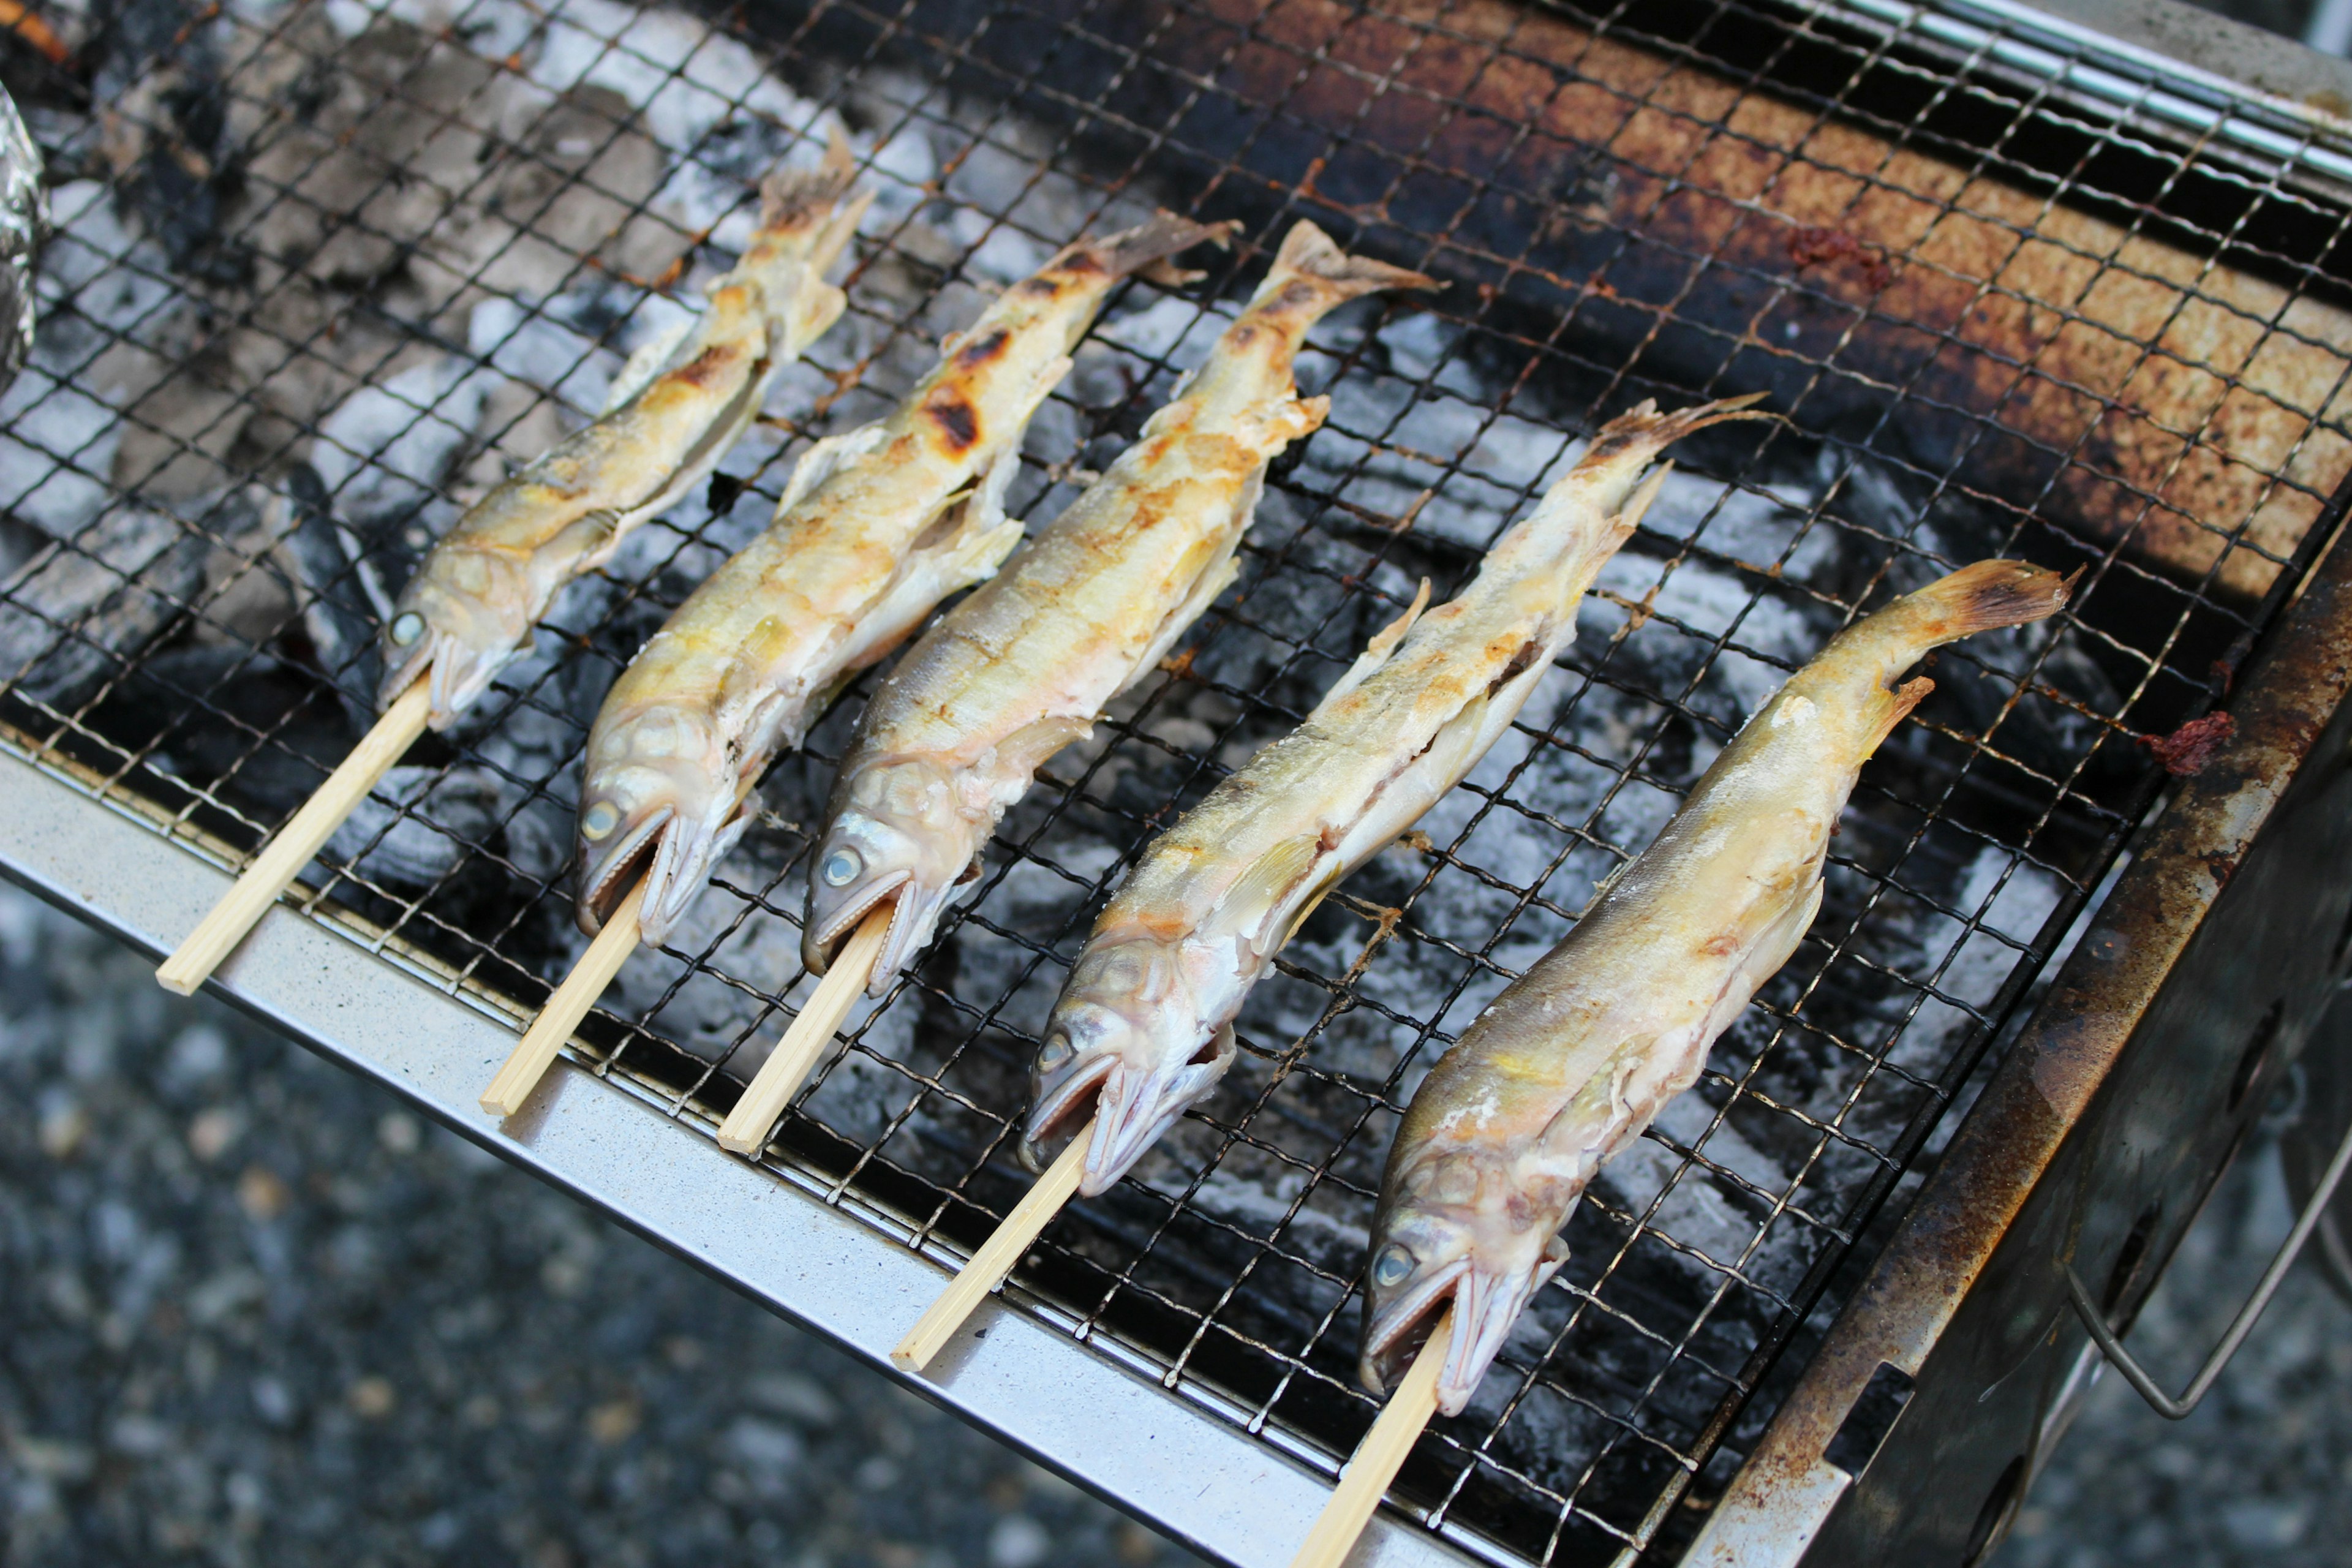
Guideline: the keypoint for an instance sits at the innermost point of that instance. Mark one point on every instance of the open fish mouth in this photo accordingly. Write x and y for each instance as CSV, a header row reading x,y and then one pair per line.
x,y
1400,1328
458,673
1062,1104
1485,1305
824,937
606,870
1134,1108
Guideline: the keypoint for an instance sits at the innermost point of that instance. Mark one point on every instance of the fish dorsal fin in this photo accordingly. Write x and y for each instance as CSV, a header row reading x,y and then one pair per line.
x,y
826,458
1376,652
1250,904
649,361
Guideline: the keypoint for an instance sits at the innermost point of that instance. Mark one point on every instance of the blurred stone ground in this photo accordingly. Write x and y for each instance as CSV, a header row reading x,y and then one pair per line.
x,y
252,1312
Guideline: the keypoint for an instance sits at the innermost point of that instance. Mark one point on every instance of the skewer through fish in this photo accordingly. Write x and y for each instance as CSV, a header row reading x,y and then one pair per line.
x,y
1144,1027
1571,1062
875,527
1022,668
676,409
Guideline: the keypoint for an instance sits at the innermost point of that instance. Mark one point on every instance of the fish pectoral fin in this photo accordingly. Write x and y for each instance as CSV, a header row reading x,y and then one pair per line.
x,y
1025,751
1249,905
1908,696
651,358
826,458
1376,652
811,315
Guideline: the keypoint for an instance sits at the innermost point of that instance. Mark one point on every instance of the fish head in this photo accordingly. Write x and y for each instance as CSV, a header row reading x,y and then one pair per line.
x,y
659,796
1130,1040
1460,1230
896,835
461,621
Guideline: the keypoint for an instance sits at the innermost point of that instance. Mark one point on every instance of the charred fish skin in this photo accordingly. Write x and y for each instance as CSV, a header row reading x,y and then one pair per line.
x,y
874,527
1022,666
1144,1027
1574,1059
469,609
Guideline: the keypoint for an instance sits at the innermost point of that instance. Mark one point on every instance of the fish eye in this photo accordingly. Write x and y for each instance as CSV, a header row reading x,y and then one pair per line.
x,y
841,867
1056,1053
601,819
408,628
1392,1265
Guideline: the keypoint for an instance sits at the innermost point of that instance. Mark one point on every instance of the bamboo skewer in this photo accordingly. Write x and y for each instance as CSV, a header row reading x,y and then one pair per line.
x,y
746,1128
553,1026
1364,1480
297,845
995,1259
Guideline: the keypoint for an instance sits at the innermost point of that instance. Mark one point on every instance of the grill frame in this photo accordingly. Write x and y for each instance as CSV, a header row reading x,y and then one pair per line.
x,y
257,983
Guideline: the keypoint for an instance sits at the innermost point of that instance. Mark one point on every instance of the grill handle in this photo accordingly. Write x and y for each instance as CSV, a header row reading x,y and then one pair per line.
x,y
2240,1327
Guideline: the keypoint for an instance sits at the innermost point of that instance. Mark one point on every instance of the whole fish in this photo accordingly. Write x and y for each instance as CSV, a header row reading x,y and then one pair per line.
x,y
1022,668
1572,1060
875,527
1144,1027
675,410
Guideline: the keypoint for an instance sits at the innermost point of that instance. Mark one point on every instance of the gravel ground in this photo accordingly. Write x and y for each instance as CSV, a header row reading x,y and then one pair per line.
x,y
251,1311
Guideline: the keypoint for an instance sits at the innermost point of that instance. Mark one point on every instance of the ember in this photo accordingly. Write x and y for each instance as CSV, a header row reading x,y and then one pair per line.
x,y
2188,749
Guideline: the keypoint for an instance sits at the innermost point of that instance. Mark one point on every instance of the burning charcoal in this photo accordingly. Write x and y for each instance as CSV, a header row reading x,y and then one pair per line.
x,y
434,820
345,601
75,611
24,223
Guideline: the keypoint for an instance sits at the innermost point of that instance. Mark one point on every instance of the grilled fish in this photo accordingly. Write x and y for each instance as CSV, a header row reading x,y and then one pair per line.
x,y
1572,1060
875,527
1020,668
674,413
1144,1027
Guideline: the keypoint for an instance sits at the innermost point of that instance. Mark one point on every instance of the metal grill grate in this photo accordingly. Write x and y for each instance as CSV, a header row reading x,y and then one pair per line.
x,y
322,268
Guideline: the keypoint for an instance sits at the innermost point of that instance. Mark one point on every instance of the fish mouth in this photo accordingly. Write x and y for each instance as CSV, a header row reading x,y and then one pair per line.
x,y
456,673
1134,1108
1059,1106
819,939
682,862
604,877
1395,1332
1485,1305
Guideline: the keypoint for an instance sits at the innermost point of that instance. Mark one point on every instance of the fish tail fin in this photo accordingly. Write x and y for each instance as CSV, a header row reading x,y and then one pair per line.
x,y
1310,255
1147,249
1643,426
1989,593
796,198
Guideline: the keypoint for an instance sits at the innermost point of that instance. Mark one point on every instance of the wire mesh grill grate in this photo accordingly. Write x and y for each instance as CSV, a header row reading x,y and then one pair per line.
x,y
322,269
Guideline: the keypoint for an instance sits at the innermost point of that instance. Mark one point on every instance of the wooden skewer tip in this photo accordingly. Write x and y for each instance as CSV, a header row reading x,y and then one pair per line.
x,y
556,1021
297,845
988,1266
746,1128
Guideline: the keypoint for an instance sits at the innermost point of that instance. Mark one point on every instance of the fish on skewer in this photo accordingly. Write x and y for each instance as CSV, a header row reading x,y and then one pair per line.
x,y
1144,1027
874,527
1022,668
1573,1059
675,410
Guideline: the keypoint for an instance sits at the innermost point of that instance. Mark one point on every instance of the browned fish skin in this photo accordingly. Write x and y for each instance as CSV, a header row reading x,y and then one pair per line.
x,y
1144,1027
874,529
1022,666
1576,1057
473,602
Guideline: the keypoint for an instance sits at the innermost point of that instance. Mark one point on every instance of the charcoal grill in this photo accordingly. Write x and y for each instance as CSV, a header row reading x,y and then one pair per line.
x,y
2022,286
